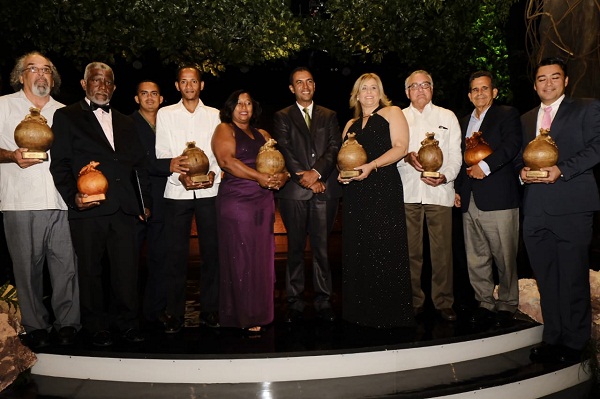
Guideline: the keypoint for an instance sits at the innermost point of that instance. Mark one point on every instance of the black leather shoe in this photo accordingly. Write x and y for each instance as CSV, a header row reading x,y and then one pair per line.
x,y
38,339
209,319
326,314
133,336
172,325
544,353
66,335
447,314
503,319
482,316
569,355
102,338
292,316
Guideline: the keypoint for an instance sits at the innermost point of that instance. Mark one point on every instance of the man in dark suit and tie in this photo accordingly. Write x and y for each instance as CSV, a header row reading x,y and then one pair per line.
x,y
558,212
488,195
91,130
309,138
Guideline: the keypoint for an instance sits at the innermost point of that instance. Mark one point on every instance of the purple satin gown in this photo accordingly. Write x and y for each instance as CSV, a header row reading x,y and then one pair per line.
x,y
245,216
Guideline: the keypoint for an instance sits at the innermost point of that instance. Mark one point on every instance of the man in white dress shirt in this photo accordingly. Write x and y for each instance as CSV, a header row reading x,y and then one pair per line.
x,y
430,198
189,120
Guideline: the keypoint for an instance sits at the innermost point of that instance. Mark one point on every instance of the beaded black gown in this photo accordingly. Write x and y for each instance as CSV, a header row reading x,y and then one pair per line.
x,y
376,275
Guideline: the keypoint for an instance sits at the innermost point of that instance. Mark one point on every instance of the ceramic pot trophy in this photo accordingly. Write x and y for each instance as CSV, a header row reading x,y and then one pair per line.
x,y
541,152
197,163
430,156
34,134
351,155
269,160
92,182
476,149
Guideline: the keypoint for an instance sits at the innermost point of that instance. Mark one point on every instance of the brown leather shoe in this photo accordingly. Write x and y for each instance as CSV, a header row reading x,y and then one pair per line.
x,y
447,314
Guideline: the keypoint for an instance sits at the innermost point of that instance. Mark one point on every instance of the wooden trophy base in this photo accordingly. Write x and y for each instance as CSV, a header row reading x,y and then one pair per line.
x,y
200,178
536,173
93,198
42,155
348,174
435,175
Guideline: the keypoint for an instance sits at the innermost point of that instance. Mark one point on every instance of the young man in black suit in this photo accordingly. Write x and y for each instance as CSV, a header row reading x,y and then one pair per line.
x,y
309,138
558,212
91,130
488,195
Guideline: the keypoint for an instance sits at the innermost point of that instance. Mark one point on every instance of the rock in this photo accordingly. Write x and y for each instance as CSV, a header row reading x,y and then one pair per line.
x,y
14,356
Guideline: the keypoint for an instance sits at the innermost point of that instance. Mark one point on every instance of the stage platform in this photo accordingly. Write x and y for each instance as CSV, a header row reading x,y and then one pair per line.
x,y
313,359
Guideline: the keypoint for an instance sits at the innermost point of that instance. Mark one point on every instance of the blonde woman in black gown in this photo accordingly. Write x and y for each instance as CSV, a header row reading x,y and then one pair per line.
x,y
376,274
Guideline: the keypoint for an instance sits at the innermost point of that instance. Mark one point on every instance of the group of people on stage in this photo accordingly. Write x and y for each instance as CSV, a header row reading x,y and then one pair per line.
x,y
152,196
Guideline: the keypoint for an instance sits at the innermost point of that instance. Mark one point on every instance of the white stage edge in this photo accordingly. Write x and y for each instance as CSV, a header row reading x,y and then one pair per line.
x,y
272,369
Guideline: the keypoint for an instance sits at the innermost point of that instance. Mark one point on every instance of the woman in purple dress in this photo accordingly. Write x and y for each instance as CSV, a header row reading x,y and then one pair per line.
x,y
245,216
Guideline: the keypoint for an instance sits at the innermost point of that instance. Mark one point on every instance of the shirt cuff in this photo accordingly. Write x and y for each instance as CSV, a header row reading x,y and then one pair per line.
x,y
484,167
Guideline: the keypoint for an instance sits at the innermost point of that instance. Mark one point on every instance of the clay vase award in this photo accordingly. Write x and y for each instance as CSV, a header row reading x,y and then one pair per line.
x,y
541,152
430,156
269,160
34,134
197,163
351,155
476,149
92,182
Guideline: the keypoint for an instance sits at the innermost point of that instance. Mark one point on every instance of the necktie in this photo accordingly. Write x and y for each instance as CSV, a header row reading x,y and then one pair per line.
x,y
547,118
105,107
306,117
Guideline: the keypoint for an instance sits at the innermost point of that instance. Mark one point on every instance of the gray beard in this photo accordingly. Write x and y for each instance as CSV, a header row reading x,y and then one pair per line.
x,y
40,90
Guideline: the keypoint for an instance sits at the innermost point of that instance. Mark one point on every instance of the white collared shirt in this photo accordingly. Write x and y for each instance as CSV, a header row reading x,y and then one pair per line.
x,y
310,109
31,188
105,120
444,124
175,127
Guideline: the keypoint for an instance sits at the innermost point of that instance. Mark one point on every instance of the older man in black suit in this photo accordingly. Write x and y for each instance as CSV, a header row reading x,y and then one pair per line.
x,y
91,130
558,212
488,195
308,135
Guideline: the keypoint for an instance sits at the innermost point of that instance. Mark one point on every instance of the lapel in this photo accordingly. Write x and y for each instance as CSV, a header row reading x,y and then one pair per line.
x,y
96,132
558,124
529,124
297,117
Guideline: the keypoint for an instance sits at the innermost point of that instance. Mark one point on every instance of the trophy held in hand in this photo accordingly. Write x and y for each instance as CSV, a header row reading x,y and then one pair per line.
x,y
269,160
34,134
92,182
541,152
476,149
197,163
351,155
430,156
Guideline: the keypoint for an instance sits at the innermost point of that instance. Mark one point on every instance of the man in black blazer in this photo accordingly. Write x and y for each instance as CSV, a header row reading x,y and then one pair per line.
x,y
488,195
309,138
558,212
91,130
152,230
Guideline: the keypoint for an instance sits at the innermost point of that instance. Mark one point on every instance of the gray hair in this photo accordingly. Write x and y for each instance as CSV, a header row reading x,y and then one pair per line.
x,y
419,71
96,65
20,66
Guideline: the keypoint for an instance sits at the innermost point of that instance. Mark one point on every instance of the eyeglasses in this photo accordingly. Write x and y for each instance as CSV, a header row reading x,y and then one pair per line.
x,y
99,81
416,86
34,69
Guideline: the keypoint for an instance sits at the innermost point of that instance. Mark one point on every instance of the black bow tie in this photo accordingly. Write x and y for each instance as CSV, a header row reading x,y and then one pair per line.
x,y
105,107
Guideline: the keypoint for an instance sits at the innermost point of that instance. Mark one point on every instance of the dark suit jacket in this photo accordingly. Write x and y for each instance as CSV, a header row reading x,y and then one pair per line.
x,y
304,150
158,169
78,140
500,189
576,132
